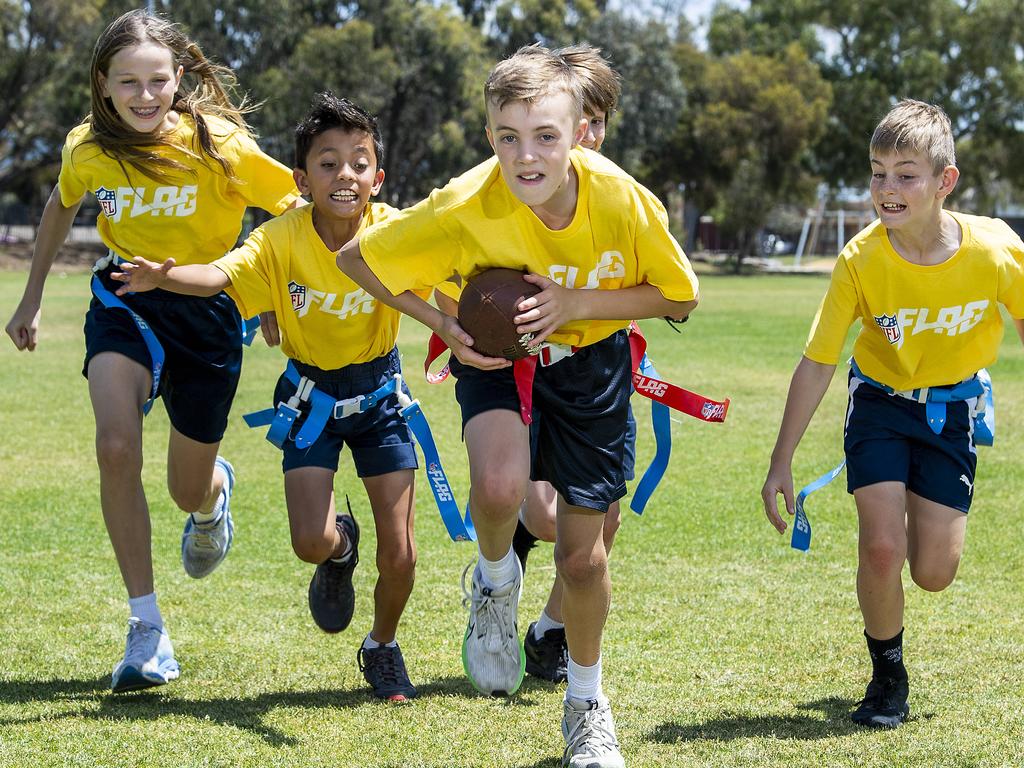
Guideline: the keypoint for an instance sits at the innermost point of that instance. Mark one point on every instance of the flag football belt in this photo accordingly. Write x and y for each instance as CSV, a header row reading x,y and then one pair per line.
x,y
247,329
663,396
323,407
934,399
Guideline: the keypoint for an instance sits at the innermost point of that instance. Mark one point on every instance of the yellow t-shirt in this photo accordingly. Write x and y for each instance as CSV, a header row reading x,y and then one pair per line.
x,y
618,238
921,326
194,217
325,319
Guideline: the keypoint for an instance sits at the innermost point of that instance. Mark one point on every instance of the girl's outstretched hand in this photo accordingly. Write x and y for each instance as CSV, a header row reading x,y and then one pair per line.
x,y
140,275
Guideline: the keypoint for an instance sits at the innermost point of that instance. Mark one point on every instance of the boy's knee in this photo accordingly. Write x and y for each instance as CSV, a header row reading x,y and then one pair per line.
x,y
496,496
312,548
580,568
882,556
116,452
933,578
397,564
189,498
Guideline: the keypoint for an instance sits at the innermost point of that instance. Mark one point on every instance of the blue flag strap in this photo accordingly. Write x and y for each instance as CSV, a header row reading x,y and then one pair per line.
x,y
249,329
661,423
459,528
801,538
156,350
324,407
935,398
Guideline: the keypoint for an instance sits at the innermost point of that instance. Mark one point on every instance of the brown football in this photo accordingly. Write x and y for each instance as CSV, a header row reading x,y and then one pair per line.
x,y
487,305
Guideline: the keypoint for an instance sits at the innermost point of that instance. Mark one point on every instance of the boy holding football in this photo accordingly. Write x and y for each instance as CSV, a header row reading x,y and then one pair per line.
x,y
547,207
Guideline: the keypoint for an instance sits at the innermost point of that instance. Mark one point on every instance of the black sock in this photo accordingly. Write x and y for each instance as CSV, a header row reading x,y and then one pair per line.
x,y
522,542
887,657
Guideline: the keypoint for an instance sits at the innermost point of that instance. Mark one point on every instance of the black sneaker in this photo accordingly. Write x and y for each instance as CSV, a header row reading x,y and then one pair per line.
x,y
522,542
384,669
548,657
331,596
884,704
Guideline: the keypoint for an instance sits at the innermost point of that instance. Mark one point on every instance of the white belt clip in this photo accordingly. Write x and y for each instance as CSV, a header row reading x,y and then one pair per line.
x,y
551,353
105,261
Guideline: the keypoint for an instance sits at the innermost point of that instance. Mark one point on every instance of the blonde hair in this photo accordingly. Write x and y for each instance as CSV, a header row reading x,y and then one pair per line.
x,y
203,91
599,83
916,126
532,73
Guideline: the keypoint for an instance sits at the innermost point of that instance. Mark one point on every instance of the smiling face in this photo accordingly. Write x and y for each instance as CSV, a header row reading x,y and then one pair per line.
x,y
141,82
341,173
532,144
906,191
597,121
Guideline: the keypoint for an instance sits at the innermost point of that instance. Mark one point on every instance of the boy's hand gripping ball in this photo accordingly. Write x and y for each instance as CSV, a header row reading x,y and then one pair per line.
x,y
489,302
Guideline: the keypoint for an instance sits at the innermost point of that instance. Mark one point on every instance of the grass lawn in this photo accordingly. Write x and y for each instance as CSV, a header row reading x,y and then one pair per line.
x,y
724,647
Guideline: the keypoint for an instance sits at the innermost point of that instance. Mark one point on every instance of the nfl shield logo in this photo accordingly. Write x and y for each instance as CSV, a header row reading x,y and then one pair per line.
x,y
298,294
107,198
889,327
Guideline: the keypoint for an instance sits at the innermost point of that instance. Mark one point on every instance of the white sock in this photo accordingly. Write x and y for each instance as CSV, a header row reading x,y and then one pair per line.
x,y
584,682
370,644
498,572
203,518
545,623
344,556
145,608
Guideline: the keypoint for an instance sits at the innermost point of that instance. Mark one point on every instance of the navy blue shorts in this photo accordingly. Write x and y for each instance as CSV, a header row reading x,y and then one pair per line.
x,y
202,341
580,407
887,438
379,439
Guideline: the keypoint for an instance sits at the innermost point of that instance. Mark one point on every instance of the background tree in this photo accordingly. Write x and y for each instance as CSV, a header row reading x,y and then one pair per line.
x,y
753,122
44,87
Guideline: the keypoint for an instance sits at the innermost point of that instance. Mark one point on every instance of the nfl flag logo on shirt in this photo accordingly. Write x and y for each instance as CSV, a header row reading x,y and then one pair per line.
x,y
107,198
889,327
298,294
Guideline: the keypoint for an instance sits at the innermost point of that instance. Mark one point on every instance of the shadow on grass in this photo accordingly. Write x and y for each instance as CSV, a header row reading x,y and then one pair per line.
x,y
547,762
728,728
153,704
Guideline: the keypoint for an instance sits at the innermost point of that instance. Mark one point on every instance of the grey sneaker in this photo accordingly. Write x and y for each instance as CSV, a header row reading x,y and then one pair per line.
x,y
205,545
148,659
491,653
590,735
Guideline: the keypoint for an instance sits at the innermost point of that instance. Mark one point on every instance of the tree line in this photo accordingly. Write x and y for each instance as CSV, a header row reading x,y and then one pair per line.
x,y
779,98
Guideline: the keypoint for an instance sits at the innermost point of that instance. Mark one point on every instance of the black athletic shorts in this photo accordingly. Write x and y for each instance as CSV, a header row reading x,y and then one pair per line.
x,y
202,341
580,407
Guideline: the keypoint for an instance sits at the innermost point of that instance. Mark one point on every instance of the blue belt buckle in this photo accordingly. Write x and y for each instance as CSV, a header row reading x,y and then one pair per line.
x,y
281,425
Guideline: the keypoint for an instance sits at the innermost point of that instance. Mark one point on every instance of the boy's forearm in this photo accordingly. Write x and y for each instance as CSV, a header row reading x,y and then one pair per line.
x,y
350,261
808,386
635,303
195,280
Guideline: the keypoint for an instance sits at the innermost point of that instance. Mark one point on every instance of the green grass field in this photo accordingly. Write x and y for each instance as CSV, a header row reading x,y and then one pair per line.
x,y
724,646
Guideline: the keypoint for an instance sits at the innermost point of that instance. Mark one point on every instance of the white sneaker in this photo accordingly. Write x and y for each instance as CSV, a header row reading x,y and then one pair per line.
x,y
491,652
148,659
590,735
205,545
